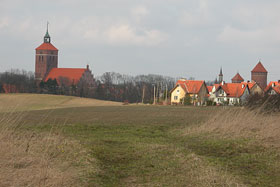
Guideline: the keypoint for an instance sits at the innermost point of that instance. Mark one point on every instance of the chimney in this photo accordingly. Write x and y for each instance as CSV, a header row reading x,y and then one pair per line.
x,y
248,81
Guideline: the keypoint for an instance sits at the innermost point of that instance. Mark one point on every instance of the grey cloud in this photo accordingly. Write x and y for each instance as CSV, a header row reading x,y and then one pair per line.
x,y
174,37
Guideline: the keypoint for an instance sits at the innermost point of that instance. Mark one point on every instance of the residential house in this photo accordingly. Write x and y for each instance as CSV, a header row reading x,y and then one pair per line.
x,y
254,88
196,89
231,93
273,88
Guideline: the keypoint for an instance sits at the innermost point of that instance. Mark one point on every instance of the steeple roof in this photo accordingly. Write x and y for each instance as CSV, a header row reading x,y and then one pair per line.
x,y
221,72
259,68
237,77
47,34
47,42
47,46
47,38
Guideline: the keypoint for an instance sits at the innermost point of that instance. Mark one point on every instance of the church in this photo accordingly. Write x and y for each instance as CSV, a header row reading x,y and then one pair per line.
x,y
46,67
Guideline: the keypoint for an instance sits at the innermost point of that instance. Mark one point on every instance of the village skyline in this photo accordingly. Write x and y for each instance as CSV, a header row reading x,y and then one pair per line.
x,y
177,40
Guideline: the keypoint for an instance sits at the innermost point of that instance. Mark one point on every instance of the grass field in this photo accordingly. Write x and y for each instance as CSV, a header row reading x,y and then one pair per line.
x,y
28,102
113,145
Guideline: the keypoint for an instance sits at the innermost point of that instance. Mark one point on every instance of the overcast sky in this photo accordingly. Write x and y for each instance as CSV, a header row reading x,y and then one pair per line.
x,y
178,38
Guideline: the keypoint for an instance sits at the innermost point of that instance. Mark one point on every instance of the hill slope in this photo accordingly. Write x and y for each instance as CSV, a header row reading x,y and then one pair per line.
x,y
27,102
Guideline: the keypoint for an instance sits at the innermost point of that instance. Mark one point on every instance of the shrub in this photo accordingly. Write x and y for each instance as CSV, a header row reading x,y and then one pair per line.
x,y
266,103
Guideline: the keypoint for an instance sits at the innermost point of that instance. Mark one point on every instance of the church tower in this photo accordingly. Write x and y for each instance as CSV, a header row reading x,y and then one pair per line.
x,y
46,58
221,76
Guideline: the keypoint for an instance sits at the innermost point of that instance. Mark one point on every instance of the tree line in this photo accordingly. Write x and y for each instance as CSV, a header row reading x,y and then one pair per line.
x,y
109,86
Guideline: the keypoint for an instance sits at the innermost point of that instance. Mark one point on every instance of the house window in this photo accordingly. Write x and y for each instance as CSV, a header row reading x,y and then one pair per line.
x,y
175,97
178,91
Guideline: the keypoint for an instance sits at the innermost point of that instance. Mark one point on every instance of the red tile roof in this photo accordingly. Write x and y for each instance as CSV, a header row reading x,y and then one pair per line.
x,y
209,88
46,46
250,84
277,89
276,86
216,86
234,89
259,68
190,86
237,77
72,74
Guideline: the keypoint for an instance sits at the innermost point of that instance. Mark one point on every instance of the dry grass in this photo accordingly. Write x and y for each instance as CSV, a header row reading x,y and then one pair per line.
x,y
40,159
244,123
202,174
28,102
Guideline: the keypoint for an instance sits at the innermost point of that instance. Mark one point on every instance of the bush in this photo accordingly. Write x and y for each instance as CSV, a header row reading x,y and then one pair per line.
x,y
210,103
187,100
266,103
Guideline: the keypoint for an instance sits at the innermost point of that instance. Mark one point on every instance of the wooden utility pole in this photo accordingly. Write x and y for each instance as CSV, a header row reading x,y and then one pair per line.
x,y
143,94
154,94
166,90
157,93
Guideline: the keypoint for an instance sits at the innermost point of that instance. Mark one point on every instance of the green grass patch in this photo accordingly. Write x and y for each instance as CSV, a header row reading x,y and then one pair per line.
x,y
143,145
253,163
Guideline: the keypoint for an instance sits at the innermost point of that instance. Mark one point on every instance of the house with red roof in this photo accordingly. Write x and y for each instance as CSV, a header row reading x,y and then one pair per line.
x,y
254,88
46,67
231,93
195,89
273,88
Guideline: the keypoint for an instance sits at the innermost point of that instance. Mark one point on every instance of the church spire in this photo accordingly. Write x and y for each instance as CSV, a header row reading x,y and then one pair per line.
x,y
221,75
47,38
